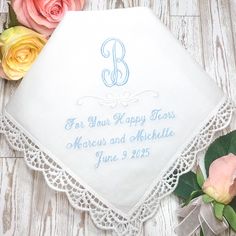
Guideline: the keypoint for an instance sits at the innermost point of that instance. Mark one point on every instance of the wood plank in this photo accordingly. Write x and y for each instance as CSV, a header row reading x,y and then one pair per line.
x,y
29,207
3,18
51,212
184,8
3,6
188,31
165,220
162,9
218,42
232,10
15,198
7,88
218,45
96,5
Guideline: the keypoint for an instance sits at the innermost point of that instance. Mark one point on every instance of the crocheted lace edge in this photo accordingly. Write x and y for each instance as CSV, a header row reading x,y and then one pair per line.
x,y
81,198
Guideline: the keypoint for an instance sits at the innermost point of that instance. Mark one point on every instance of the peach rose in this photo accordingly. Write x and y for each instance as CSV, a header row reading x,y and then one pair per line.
x,y
44,15
19,47
221,183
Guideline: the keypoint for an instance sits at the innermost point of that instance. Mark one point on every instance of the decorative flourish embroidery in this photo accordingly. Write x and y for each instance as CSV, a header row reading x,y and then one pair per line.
x,y
112,100
81,198
115,49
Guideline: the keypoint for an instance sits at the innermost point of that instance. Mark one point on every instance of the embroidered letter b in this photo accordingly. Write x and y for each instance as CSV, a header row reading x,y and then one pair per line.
x,y
119,74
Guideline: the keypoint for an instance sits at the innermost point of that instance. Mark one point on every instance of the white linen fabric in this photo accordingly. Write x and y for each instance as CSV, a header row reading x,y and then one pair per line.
x,y
113,111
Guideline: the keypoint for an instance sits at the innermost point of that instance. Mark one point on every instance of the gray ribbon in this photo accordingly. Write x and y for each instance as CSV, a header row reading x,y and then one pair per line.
x,y
199,214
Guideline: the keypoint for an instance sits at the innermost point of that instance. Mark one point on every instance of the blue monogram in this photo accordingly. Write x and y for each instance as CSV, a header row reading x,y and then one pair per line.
x,y
119,75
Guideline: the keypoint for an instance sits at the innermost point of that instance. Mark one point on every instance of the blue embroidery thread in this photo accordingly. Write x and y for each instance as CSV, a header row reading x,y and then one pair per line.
x,y
120,74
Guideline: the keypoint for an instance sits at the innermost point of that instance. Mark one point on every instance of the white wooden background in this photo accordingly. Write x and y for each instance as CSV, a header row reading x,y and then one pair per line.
x,y
207,29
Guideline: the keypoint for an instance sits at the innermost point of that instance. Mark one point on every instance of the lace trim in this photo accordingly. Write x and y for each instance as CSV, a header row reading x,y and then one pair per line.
x,y
82,199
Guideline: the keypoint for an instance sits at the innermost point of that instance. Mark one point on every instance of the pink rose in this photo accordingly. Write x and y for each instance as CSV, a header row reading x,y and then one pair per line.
x,y
44,15
221,183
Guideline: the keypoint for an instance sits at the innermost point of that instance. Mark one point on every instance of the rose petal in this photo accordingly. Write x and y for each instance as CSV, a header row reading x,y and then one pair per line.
x,y
19,8
44,15
221,184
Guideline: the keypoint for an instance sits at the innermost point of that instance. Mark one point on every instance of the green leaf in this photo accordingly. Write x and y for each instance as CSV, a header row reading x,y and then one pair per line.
x,y
218,210
233,203
230,216
207,199
186,185
201,232
193,195
200,177
220,147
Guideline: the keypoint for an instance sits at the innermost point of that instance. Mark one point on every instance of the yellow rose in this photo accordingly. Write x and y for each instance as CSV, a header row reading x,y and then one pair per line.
x,y
19,47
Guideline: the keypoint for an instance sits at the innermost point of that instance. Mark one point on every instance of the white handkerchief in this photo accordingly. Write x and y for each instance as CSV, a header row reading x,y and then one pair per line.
x,y
113,111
